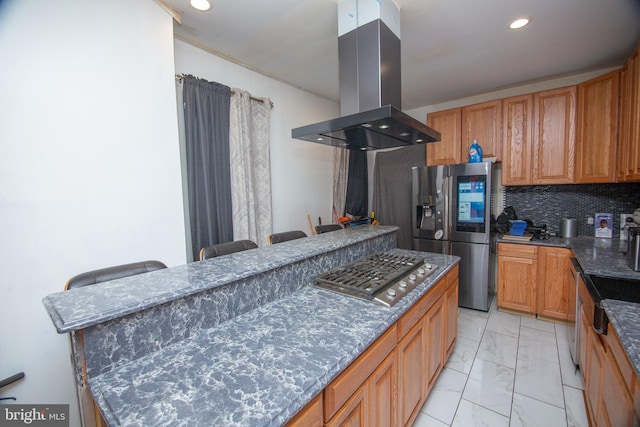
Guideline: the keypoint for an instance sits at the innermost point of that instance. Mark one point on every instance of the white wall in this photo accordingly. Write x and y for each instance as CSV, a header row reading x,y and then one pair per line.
x,y
89,166
301,172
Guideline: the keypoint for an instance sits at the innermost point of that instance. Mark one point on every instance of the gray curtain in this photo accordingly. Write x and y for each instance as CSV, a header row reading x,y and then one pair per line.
x,y
206,122
392,189
357,199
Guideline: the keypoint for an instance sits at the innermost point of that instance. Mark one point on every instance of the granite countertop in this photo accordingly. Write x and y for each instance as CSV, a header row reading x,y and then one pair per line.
x,y
606,257
84,307
258,369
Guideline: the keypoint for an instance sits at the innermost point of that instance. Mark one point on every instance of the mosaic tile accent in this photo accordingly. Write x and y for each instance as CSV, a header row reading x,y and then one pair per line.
x,y
548,204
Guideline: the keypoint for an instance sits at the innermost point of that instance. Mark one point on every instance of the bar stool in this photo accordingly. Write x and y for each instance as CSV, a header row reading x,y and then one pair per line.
x,y
226,248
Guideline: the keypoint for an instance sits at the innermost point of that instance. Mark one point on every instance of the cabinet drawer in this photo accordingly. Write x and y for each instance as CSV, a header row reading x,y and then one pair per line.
x,y
516,250
419,309
345,385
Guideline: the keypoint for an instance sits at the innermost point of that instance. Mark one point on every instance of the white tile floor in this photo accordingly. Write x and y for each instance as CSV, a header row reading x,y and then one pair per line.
x,y
506,370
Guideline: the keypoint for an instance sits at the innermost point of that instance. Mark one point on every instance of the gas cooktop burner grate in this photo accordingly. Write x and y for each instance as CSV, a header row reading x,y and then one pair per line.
x,y
368,277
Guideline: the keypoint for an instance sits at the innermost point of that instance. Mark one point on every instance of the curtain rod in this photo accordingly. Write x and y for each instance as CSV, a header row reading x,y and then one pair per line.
x,y
236,91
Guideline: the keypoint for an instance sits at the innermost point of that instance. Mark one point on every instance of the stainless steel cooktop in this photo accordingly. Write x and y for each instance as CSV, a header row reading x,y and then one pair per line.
x,y
380,277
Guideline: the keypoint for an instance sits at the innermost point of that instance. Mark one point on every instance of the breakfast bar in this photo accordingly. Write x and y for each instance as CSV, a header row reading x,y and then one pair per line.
x,y
243,339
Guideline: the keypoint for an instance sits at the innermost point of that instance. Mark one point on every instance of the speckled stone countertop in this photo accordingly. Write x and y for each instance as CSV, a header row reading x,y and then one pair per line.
x,y
80,308
258,369
606,257
625,318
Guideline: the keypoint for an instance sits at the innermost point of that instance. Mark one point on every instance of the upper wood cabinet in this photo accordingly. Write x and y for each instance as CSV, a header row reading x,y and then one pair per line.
x,y
448,149
482,122
597,129
554,136
628,161
517,128
460,126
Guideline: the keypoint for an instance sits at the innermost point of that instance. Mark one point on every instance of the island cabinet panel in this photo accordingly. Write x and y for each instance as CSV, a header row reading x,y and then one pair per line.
x,y
483,122
554,136
448,149
594,371
517,276
412,368
554,282
343,387
517,130
383,393
616,406
434,350
355,412
451,313
597,129
310,415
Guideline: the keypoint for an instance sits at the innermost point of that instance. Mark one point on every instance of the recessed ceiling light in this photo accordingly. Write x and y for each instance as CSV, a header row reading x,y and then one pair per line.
x,y
383,126
519,23
201,4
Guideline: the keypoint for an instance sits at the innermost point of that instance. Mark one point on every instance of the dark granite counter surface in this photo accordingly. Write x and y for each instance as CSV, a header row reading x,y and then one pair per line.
x,y
257,369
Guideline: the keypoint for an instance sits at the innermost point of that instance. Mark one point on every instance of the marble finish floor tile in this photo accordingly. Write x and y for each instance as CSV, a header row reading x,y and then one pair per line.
x,y
471,326
504,323
532,323
490,385
576,411
463,354
529,412
424,420
540,379
498,348
470,414
445,396
537,344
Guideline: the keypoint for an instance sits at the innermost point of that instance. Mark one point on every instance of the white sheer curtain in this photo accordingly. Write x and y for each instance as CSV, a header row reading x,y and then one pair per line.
x,y
250,167
340,174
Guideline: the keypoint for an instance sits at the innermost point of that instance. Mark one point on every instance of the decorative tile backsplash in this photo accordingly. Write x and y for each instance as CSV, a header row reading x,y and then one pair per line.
x,y
548,204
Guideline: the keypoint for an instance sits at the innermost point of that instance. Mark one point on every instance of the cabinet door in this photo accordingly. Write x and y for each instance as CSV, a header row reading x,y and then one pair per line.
x,y
554,282
595,365
411,377
451,318
434,344
310,415
517,142
597,129
583,356
634,149
517,283
483,122
447,150
616,408
554,136
354,412
383,393
626,122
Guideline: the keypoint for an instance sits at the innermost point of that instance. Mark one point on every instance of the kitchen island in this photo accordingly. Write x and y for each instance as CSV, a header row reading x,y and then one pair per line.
x,y
242,339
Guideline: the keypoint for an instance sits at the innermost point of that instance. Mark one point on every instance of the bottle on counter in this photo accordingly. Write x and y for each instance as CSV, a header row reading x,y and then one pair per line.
x,y
475,152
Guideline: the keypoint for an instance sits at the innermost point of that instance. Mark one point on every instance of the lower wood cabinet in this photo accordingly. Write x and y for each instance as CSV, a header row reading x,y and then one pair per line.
x,y
535,279
610,382
388,383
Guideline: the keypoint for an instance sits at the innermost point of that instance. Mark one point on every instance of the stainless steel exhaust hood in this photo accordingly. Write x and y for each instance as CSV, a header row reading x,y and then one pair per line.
x,y
370,100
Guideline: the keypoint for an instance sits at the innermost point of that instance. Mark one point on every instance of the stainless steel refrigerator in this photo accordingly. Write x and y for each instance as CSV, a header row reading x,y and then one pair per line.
x,y
452,215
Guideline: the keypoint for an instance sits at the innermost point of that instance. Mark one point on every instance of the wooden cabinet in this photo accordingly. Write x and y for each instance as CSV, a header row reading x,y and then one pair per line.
x,y
451,314
434,351
309,416
555,282
535,279
628,164
412,368
355,412
448,149
517,135
482,122
597,129
383,393
610,382
460,126
517,275
554,134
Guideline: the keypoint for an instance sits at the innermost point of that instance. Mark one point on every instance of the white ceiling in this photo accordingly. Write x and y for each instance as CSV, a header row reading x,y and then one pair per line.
x,y
451,49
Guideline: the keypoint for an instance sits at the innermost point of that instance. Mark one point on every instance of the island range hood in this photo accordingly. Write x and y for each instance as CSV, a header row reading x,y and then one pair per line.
x,y
370,88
